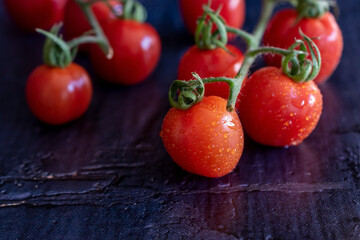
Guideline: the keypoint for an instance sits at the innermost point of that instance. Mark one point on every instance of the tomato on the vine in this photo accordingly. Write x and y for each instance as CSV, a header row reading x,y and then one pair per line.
x,y
136,48
211,63
233,12
205,140
75,22
31,14
58,95
276,111
284,27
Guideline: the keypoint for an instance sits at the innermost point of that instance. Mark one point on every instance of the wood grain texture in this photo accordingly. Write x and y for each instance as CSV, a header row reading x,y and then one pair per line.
x,y
108,176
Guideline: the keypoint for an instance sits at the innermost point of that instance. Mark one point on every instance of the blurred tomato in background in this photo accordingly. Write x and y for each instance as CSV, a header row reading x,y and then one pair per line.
x,y
233,12
31,14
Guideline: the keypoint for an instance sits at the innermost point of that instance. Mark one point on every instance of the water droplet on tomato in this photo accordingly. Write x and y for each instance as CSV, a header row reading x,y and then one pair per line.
x,y
298,102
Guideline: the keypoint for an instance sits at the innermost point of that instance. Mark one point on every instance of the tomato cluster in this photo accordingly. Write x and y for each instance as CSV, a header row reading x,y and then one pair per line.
x,y
274,109
278,105
60,91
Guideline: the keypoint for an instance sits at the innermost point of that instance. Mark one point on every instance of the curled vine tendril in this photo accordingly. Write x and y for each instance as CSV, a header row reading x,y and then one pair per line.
x,y
184,94
297,66
205,37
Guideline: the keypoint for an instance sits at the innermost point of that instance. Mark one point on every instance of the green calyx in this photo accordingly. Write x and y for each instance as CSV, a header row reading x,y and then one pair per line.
x,y
297,66
184,94
133,10
205,38
56,52
313,8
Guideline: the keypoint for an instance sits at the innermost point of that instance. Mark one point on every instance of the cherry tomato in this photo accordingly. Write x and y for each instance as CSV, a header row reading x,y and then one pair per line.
x,y
57,95
284,28
75,22
31,14
205,140
211,63
136,48
233,12
276,111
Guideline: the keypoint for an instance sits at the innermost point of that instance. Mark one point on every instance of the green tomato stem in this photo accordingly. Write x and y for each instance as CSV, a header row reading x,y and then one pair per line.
x,y
234,90
205,38
312,8
253,44
273,50
99,37
248,38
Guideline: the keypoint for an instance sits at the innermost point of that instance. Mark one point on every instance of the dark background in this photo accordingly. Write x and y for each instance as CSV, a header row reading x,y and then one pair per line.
x,y
108,176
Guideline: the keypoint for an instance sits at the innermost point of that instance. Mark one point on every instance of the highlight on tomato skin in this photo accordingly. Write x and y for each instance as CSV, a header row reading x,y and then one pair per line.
x,y
58,95
283,28
205,140
232,11
211,63
276,111
32,14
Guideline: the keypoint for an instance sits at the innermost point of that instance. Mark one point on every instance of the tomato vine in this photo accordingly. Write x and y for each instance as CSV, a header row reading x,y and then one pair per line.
x,y
295,65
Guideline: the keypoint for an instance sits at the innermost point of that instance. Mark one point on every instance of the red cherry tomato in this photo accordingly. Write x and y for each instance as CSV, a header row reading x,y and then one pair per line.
x,y
136,48
31,14
205,140
57,95
276,111
211,63
233,12
284,28
75,22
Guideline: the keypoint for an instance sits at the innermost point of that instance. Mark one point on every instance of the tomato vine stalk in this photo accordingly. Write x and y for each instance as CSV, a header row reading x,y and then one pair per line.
x,y
59,53
295,64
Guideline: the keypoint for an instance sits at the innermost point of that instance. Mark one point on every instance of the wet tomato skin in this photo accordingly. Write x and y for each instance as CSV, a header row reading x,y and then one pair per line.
x,y
283,28
211,63
206,139
276,111
31,14
57,96
137,49
233,12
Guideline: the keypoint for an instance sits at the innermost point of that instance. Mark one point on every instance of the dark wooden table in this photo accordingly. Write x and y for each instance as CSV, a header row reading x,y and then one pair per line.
x,y
108,176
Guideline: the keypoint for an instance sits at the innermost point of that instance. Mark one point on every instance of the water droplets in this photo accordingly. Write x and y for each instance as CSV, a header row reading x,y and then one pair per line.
x,y
298,102
288,123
